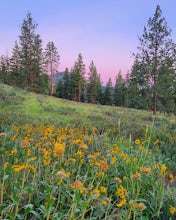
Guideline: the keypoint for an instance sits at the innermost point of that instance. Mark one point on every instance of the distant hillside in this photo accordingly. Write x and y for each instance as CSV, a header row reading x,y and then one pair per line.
x,y
57,77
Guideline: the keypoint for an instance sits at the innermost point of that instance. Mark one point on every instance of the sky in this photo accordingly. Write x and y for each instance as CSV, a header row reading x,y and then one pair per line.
x,y
105,31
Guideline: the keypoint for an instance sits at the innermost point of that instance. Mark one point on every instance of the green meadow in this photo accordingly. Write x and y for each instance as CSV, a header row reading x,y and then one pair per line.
x,y
61,159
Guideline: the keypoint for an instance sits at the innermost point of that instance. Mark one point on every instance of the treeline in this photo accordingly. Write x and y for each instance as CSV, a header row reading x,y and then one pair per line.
x,y
150,85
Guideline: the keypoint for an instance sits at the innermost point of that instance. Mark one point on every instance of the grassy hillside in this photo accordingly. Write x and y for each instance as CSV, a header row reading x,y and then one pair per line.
x,y
19,106
70,161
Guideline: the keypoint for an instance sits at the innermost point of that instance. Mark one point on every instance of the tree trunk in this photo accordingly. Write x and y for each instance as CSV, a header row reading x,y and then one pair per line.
x,y
30,67
154,94
51,79
154,102
79,92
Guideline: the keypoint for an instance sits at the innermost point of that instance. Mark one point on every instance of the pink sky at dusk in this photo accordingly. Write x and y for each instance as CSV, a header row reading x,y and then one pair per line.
x,y
105,31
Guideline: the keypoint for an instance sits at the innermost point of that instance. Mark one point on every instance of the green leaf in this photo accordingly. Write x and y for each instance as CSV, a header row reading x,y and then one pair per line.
x,y
51,202
29,206
5,177
10,215
85,204
2,207
15,199
36,214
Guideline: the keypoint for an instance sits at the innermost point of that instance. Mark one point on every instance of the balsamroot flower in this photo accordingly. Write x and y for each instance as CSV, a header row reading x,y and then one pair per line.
x,y
77,184
135,176
59,149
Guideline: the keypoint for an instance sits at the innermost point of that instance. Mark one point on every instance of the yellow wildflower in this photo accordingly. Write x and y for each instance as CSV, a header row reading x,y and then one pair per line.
x,y
171,178
137,142
28,152
116,150
135,176
14,137
59,149
135,159
141,206
140,147
127,161
103,189
118,179
79,153
121,192
104,202
83,146
47,144
77,184
68,174
171,210
163,169
77,141
12,152
24,143
113,160
121,203
31,168
145,169
100,173
156,142
46,161
95,192
155,166
82,190
5,165
60,181
103,164
124,178
18,168
32,158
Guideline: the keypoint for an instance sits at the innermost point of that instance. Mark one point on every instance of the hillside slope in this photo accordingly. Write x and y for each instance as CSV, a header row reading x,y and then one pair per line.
x,y
19,106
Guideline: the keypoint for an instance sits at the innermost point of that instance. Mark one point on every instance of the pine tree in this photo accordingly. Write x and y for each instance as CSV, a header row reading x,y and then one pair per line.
x,y
66,85
138,87
26,40
60,89
5,70
155,47
52,61
78,80
166,87
119,90
108,93
16,68
94,85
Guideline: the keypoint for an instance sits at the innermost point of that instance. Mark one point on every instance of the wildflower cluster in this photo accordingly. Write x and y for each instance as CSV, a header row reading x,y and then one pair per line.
x,y
73,173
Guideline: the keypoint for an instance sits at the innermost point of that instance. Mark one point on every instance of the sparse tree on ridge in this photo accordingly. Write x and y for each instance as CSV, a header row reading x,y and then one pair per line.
x,y
52,62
